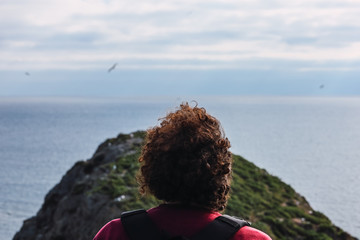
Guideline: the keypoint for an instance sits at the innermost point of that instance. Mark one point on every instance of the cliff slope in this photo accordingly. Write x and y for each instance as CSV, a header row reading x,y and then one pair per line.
x,y
95,191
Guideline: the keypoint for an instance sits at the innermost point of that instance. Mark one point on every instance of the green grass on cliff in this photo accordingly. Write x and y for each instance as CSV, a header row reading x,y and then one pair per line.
x,y
264,200
274,206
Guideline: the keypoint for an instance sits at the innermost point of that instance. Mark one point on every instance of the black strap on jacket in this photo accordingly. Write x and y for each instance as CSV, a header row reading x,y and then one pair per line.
x,y
139,226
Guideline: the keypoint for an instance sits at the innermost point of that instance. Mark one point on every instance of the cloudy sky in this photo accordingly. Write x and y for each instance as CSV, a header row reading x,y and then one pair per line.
x,y
253,47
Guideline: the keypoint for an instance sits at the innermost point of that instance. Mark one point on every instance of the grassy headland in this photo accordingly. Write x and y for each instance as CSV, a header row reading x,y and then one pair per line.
x,y
270,204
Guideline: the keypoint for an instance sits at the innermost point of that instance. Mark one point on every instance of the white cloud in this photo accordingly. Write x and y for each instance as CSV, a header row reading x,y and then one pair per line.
x,y
83,34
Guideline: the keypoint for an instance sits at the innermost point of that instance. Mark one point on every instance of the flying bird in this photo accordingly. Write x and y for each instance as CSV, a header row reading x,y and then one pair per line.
x,y
112,67
322,86
27,73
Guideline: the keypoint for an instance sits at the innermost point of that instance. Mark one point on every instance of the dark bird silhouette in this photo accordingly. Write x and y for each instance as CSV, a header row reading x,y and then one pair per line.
x,y
112,67
322,86
27,73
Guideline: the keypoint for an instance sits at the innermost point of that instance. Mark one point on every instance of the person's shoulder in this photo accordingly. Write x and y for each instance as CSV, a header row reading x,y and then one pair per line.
x,y
111,231
249,233
113,222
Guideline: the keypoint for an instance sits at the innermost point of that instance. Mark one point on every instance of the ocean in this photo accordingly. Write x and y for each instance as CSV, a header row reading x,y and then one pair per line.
x,y
310,143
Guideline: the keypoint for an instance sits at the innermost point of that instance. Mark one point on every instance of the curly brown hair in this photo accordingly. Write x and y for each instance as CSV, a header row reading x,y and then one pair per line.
x,y
187,160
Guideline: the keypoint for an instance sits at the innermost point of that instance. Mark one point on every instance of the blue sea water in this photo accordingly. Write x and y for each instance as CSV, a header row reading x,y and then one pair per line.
x,y
310,143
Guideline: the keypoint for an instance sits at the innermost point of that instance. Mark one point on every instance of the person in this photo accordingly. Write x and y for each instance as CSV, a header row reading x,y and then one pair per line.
x,y
185,163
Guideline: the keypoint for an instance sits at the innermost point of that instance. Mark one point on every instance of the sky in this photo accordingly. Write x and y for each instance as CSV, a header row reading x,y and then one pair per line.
x,y
164,47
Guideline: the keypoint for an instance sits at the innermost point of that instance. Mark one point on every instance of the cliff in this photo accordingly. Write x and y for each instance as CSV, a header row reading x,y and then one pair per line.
x,y
95,191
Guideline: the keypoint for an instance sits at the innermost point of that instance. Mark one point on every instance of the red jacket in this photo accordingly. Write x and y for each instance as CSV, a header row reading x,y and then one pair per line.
x,y
177,220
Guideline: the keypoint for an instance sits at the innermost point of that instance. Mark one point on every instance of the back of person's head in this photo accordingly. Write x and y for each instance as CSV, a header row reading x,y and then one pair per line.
x,y
187,160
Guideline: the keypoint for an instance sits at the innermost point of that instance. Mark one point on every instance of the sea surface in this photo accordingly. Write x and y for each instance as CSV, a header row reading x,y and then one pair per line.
x,y
311,143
